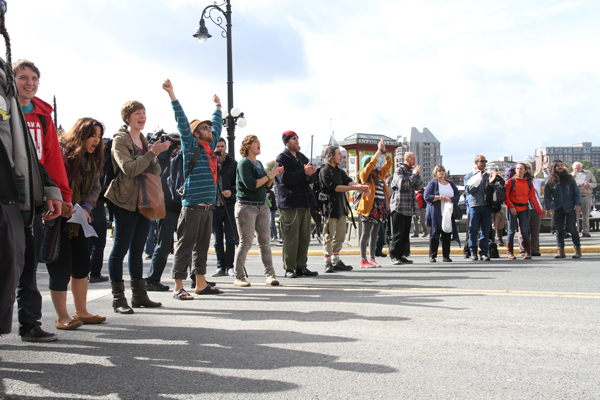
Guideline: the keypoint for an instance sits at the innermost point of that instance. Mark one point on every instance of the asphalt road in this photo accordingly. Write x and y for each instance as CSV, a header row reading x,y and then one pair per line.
x,y
461,330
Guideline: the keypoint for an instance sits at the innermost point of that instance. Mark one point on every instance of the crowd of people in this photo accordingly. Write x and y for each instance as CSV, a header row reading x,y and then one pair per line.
x,y
50,179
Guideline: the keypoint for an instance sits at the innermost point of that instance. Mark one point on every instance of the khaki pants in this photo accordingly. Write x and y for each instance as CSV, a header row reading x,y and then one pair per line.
x,y
334,233
193,230
584,214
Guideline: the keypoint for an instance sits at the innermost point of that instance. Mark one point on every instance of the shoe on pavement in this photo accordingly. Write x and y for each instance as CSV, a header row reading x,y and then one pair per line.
x,y
290,273
425,234
231,272
220,272
446,259
474,257
96,279
37,334
155,286
364,263
536,254
272,280
340,266
329,267
485,257
432,259
241,281
306,272
380,254
586,235
374,263
405,260
395,261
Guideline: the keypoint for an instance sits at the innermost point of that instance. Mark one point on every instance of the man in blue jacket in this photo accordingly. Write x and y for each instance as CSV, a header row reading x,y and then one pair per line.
x,y
295,199
480,213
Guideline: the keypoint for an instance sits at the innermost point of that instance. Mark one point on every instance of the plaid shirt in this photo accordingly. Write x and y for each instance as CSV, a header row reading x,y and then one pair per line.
x,y
404,184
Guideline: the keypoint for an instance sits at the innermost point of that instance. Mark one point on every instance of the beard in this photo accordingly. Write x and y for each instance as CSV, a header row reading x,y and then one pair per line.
x,y
564,177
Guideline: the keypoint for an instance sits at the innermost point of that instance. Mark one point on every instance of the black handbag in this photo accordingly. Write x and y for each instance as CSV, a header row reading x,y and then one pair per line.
x,y
51,242
457,213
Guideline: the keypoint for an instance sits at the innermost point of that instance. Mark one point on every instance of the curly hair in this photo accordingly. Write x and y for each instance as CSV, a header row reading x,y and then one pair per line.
x,y
246,143
331,152
73,144
129,108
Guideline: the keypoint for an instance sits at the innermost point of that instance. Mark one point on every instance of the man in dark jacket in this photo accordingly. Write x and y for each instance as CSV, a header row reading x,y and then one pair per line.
x,y
25,184
335,183
295,199
224,214
165,227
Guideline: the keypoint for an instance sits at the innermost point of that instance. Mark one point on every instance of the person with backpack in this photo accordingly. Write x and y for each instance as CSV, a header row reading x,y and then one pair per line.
x,y
535,220
166,227
563,203
519,194
38,115
334,183
419,219
373,208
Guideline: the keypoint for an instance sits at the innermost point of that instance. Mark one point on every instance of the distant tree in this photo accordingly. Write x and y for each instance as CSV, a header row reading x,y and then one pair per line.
x,y
270,166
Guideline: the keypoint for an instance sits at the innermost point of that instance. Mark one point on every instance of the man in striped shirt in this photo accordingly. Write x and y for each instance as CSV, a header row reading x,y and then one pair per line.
x,y
195,219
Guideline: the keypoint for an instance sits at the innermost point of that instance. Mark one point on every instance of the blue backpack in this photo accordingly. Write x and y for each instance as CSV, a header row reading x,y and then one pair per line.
x,y
175,176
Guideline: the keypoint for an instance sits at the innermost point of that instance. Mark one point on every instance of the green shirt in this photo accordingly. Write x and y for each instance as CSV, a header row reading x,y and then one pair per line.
x,y
245,181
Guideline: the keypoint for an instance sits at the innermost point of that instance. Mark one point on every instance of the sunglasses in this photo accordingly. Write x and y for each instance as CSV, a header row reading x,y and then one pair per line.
x,y
205,127
483,161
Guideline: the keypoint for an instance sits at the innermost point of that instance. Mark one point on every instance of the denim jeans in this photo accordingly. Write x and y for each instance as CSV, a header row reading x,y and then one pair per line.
x,y
522,217
273,226
221,226
166,227
131,231
559,218
97,245
479,229
150,238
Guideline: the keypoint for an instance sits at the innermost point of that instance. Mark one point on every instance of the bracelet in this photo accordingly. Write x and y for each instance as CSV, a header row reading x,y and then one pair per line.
x,y
218,105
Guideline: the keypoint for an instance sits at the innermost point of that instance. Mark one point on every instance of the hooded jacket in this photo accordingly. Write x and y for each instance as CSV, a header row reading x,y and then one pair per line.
x,y
128,164
46,145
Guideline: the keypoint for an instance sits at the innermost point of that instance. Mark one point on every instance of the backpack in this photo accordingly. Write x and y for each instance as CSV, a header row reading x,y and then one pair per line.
x,y
512,185
322,198
176,177
494,250
108,171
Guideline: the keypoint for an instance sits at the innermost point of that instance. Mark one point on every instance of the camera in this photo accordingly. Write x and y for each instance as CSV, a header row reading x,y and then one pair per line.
x,y
323,197
159,134
217,153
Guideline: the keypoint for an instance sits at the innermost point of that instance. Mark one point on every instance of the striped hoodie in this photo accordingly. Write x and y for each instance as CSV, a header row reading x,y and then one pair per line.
x,y
200,187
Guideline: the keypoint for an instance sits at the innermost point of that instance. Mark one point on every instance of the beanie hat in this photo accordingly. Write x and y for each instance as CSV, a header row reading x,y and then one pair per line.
x,y
287,135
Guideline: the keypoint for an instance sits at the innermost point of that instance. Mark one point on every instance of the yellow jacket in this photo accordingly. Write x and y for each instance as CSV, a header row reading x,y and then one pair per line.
x,y
366,201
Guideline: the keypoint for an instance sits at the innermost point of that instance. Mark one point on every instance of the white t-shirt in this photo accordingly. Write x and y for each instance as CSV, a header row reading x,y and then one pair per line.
x,y
446,190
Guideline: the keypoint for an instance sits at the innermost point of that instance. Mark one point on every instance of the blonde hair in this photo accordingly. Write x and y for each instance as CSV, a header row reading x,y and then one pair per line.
x,y
246,143
436,169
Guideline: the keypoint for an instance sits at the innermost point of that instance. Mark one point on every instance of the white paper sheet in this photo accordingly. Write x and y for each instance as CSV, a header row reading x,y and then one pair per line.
x,y
79,218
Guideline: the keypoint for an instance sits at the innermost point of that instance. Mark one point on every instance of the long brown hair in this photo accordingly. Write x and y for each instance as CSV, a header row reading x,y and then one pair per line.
x,y
73,144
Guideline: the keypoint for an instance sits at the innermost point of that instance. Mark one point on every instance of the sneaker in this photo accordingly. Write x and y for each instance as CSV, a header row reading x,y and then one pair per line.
x,y
148,257
374,263
340,266
155,286
96,279
241,281
220,272
37,334
395,261
230,272
405,260
272,280
364,263
329,267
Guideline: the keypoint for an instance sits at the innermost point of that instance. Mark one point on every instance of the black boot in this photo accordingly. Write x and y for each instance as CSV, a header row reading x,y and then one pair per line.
x,y
119,301
140,295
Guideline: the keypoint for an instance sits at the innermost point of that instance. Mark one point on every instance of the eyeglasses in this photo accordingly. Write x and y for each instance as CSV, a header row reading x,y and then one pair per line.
x,y
483,161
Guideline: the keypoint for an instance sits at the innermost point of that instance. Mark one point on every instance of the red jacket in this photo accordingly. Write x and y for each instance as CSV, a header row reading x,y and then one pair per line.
x,y
521,194
46,145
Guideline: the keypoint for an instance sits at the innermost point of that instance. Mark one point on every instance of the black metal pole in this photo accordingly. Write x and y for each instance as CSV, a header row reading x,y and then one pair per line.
x,y
230,119
55,120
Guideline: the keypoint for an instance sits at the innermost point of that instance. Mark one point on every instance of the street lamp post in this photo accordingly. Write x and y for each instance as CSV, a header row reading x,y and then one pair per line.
x,y
234,116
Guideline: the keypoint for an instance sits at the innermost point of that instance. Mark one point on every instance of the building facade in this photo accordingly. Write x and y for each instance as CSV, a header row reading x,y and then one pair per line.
x,y
569,154
425,146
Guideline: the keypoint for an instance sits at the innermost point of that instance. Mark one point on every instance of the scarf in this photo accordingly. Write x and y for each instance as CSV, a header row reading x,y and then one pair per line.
x,y
82,187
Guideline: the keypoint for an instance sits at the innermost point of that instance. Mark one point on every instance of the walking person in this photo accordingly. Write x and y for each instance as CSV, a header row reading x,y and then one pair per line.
x,y
131,157
374,204
404,205
251,211
563,203
439,191
82,149
519,194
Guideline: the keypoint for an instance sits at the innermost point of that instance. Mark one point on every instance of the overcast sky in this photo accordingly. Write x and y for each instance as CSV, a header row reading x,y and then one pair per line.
x,y
492,77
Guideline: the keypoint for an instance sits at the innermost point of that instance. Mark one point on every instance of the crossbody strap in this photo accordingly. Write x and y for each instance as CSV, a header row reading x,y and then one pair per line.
x,y
193,162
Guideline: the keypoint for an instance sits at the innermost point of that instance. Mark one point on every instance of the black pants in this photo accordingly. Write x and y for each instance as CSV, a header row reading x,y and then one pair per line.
x,y
12,256
97,245
73,260
435,243
400,246
29,299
